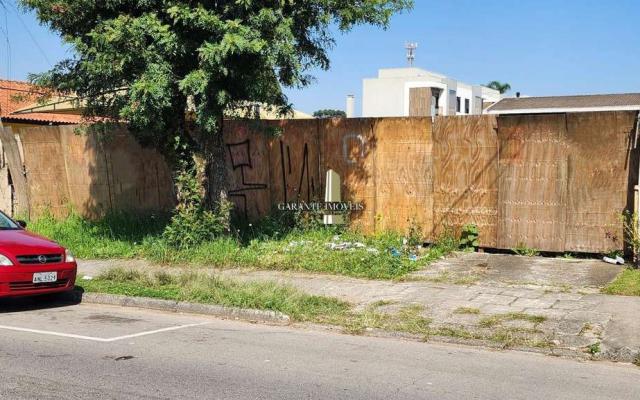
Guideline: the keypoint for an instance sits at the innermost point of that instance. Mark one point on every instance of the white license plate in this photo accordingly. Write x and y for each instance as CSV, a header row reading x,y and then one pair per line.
x,y
45,277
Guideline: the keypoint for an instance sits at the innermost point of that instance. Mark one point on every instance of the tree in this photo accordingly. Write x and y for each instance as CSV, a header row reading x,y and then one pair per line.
x,y
164,67
329,113
499,86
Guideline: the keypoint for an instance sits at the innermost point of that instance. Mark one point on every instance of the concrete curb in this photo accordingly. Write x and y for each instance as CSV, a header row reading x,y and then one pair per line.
x,y
245,314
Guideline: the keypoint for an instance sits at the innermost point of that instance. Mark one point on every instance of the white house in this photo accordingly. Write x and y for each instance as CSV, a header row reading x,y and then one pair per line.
x,y
402,92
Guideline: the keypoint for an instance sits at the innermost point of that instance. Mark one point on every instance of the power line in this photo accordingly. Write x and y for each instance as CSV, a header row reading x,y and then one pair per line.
x,y
26,28
5,33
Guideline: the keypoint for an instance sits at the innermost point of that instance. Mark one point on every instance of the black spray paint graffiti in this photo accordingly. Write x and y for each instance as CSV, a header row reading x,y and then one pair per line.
x,y
240,154
305,175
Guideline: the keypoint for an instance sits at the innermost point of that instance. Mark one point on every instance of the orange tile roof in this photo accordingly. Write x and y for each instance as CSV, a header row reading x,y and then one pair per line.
x,y
15,95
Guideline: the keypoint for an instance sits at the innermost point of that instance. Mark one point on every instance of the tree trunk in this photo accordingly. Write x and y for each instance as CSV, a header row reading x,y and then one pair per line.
x,y
216,177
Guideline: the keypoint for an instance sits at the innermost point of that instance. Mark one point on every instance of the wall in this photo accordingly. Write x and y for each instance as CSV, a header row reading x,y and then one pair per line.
x,y
555,182
90,174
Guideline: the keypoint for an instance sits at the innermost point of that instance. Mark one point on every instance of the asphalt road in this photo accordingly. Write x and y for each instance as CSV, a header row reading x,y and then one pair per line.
x,y
100,352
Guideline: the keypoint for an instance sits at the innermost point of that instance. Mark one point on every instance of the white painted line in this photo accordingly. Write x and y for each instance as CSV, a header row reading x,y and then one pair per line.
x,y
97,339
172,328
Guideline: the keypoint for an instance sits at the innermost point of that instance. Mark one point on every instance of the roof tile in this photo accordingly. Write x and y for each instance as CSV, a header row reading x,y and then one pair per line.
x,y
15,95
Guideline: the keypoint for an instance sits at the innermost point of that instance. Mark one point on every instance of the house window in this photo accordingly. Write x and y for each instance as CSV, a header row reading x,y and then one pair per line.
x,y
466,106
458,104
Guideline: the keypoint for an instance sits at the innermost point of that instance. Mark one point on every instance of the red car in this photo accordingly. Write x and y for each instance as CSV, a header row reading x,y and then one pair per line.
x,y
31,264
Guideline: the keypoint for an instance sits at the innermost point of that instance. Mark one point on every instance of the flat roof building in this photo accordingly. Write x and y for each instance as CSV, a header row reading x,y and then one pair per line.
x,y
403,92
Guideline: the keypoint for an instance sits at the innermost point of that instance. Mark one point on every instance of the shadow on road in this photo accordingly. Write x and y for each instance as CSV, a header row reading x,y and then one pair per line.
x,y
22,304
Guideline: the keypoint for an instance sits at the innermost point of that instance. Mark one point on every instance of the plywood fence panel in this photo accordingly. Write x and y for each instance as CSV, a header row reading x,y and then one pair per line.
x,y
14,167
247,152
532,181
404,174
46,174
295,162
138,177
465,182
348,146
598,153
86,173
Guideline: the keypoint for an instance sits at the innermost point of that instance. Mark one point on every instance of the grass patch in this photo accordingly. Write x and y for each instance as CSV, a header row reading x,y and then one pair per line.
x,y
627,283
498,319
408,319
301,307
200,288
466,310
264,246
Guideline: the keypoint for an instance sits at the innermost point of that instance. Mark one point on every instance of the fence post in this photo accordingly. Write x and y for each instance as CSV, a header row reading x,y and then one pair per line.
x,y
16,169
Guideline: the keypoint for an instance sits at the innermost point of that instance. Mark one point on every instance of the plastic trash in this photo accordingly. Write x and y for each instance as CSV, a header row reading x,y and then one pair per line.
x,y
87,278
413,257
395,252
620,260
610,260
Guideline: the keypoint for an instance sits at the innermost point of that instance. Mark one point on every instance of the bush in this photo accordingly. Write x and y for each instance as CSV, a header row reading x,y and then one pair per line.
x,y
192,223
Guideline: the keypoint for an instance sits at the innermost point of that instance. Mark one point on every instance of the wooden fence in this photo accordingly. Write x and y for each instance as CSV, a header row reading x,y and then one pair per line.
x,y
555,182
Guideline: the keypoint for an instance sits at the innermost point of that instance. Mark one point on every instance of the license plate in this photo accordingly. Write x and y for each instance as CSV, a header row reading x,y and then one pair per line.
x,y
45,277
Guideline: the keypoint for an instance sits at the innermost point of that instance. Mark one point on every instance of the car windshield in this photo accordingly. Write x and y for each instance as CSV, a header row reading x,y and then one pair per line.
x,y
6,223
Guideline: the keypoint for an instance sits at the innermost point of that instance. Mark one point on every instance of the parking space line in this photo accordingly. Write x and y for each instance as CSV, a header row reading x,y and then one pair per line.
x,y
97,339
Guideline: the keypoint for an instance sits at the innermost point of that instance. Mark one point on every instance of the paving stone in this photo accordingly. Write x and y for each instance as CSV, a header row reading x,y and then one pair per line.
x,y
570,327
492,309
569,305
592,317
533,303
546,312
562,296
524,293
574,341
493,299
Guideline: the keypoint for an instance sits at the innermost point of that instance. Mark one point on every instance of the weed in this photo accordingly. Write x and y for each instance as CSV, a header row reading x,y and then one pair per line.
x,y
497,319
469,237
267,244
466,310
594,348
522,250
200,288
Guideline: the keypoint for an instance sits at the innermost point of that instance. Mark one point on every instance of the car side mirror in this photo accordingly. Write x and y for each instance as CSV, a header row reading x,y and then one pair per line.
x,y
22,223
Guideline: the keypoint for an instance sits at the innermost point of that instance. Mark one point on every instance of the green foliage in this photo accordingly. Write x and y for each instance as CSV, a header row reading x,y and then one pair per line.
x,y
627,283
469,237
523,250
594,348
631,232
415,236
329,113
148,62
499,86
192,223
117,235
203,288
268,244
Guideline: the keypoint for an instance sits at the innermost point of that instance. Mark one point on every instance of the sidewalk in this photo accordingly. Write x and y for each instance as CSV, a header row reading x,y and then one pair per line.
x,y
556,301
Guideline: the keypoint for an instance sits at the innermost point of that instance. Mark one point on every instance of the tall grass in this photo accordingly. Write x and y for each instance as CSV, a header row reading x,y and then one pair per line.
x,y
267,245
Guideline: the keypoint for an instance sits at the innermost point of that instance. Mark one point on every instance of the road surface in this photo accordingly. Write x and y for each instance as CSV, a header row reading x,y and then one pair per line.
x,y
102,352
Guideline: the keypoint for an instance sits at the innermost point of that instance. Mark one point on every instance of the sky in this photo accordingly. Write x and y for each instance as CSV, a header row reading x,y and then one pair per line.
x,y
540,47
